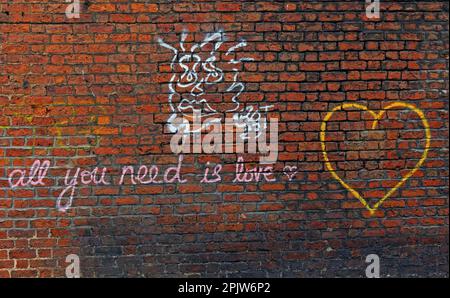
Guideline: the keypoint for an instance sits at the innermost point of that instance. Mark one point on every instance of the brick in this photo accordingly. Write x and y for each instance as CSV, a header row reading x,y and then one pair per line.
x,y
93,92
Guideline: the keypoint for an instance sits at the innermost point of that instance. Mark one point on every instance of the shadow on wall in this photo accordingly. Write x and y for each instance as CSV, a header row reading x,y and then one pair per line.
x,y
136,246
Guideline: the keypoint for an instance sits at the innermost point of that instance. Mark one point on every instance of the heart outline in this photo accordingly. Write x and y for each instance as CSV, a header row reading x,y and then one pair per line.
x,y
376,117
293,170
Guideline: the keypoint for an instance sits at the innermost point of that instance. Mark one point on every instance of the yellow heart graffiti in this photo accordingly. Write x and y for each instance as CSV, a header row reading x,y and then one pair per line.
x,y
376,117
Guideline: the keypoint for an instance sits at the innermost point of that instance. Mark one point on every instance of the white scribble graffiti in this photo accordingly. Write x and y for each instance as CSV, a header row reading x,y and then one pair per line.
x,y
195,71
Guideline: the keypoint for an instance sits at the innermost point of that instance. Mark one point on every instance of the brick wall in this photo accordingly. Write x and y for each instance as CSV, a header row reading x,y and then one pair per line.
x,y
93,92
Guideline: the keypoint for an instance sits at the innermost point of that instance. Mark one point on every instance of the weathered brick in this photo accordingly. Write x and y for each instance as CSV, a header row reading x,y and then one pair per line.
x,y
93,93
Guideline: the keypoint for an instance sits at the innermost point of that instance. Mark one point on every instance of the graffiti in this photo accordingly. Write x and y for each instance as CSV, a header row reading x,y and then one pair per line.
x,y
215,174
376,117
153,173
196,71
254,174
290,172
212,174
86,177
144,175
35,176
199,72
